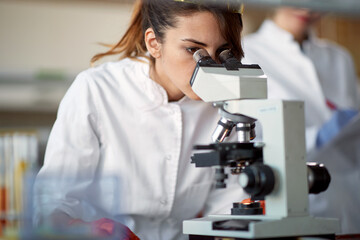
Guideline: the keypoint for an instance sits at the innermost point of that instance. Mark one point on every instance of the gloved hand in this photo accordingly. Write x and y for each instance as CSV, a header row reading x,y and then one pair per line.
x,y
105,227
331,128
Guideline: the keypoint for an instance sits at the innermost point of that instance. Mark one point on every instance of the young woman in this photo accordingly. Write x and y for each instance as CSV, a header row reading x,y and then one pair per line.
x,y
121,145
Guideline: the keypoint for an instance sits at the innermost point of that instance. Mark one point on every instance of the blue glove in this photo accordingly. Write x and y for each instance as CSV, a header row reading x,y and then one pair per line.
x,y
331,128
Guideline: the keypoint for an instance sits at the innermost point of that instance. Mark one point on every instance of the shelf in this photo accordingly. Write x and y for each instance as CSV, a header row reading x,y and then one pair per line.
x,y
26,93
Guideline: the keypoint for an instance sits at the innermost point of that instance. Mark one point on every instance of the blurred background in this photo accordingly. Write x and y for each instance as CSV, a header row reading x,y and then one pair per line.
x,y
44,44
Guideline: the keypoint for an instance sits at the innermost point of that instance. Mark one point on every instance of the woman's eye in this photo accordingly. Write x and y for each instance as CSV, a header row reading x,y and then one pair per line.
x,y
192,50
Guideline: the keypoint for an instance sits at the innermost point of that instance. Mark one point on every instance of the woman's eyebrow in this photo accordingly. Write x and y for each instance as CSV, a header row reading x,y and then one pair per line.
x,y
193,41
201,43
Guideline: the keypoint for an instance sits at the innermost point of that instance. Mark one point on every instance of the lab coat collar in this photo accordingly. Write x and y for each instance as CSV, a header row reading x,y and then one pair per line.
x,y
156,94
311,36
309,42
282,37
269,28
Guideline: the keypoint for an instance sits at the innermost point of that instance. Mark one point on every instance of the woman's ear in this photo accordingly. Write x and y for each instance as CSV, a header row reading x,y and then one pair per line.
x,y
152,44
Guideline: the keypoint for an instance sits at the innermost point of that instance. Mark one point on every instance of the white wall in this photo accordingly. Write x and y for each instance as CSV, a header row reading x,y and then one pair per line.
x,y
57,34
55,37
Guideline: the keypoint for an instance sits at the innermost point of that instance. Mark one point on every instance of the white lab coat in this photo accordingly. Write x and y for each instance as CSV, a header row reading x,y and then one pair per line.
x,y
318,72
315,73
342,159
120,150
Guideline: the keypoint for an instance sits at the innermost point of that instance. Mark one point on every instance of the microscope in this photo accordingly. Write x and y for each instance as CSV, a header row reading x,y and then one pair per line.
x,y
274,170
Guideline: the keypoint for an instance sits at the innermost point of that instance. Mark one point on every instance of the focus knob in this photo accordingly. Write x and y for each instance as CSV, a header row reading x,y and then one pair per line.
x,y
318,177
257,179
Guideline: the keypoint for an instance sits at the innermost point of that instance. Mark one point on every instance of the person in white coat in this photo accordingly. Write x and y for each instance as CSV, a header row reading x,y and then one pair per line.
x,y
121,145
299,66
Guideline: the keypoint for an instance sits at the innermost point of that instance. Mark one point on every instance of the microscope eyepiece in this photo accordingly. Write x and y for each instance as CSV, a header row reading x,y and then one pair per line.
x,y
201,56
227,58
225,55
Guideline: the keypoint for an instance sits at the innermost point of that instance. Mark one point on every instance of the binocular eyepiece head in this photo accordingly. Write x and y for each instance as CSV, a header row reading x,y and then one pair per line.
x,y
226,57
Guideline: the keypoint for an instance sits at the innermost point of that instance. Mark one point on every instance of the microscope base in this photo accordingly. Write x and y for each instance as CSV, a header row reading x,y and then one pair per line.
x,y
317,237
262,227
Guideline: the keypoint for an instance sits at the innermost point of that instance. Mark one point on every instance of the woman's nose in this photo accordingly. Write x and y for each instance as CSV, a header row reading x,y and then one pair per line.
x,y
214,56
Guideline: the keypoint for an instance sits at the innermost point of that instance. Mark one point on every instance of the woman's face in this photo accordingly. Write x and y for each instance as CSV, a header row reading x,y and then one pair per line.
x,y
296,21
175,65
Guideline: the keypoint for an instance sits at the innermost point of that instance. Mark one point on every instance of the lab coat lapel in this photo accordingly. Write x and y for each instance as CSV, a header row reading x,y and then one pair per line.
x,y
299,72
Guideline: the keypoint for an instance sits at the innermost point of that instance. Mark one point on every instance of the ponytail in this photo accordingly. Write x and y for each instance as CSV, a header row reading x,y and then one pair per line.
x,y
132,44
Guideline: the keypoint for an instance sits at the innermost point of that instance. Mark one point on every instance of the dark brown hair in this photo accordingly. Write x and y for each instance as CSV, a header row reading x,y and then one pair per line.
x,y
160,15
